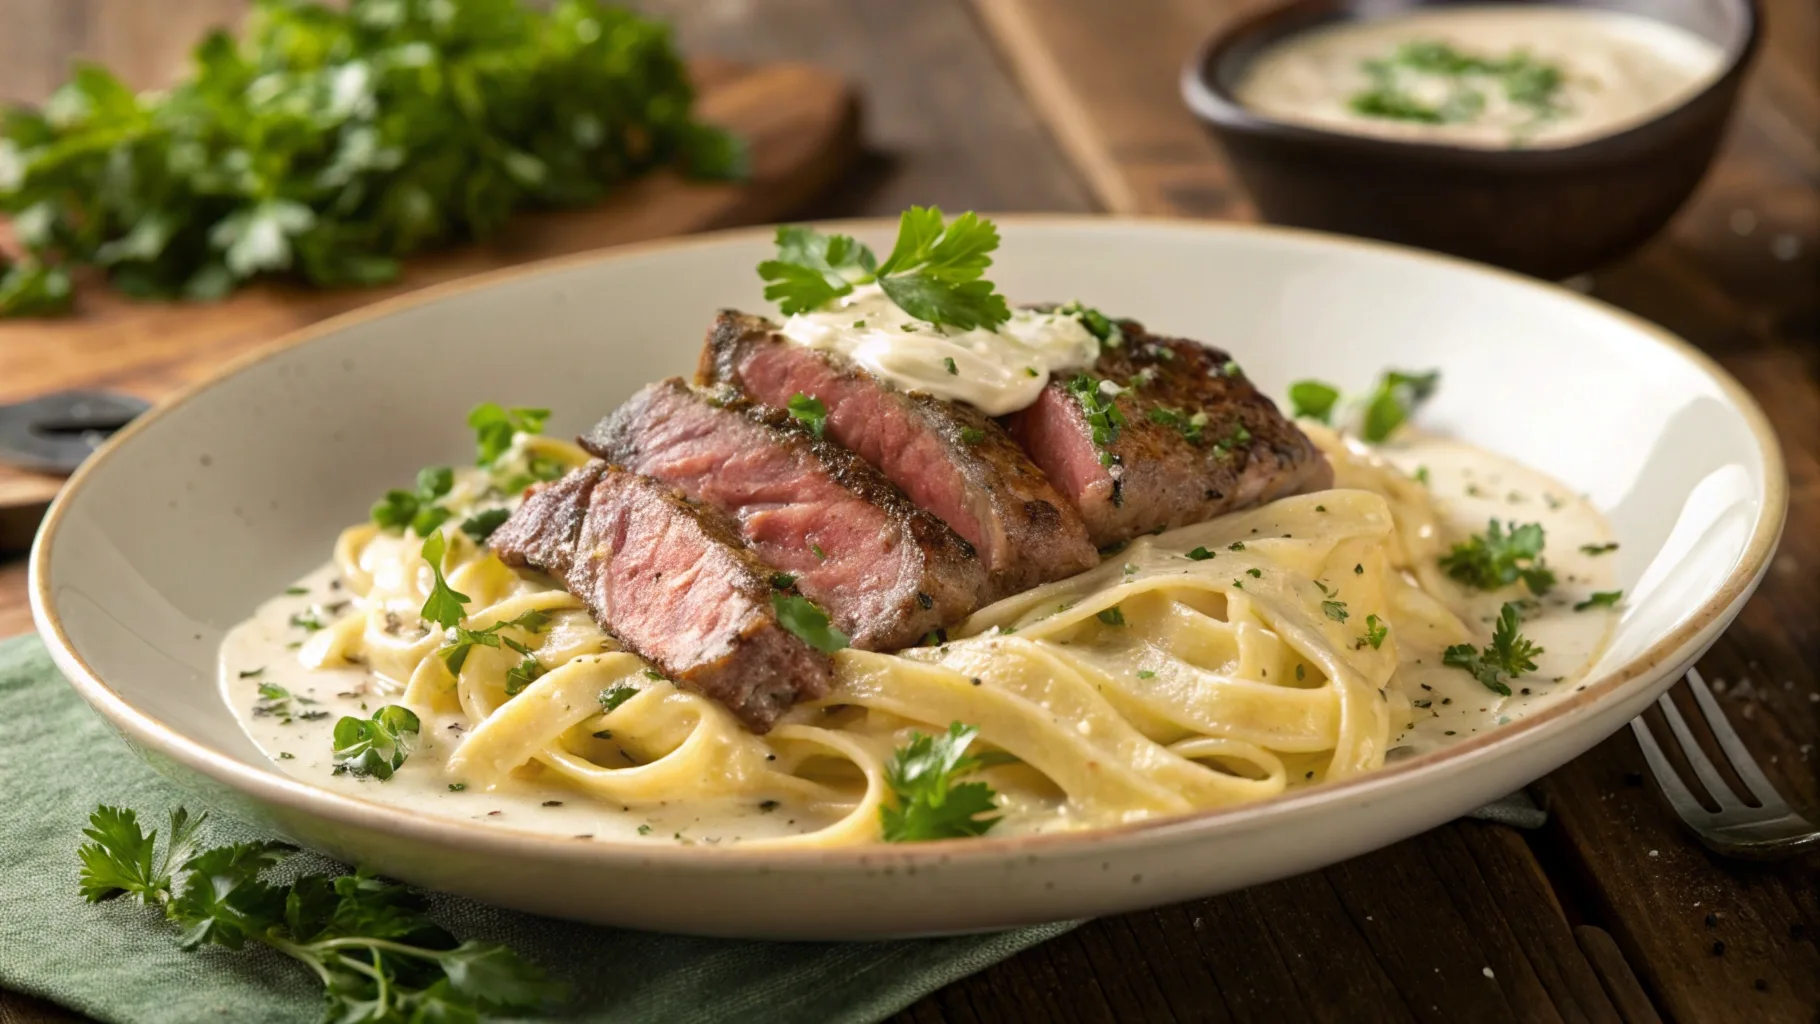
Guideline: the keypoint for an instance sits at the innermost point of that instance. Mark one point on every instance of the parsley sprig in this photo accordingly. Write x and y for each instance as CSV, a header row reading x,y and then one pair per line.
x,y
1390,404
454,654
334,139
376,746
1500,557
1509,655
934,272
928,803
445,606
417,508
381,961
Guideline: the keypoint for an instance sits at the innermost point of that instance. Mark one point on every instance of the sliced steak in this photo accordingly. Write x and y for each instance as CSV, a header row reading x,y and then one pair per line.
x,y
1198,440
949,457
887,572
674,582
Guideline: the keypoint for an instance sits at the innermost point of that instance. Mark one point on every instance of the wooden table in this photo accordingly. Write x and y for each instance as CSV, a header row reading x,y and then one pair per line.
x,y
1611,912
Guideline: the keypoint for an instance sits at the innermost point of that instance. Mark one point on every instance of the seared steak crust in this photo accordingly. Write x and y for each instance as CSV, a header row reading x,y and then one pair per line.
x,y
948,457
674,582
1166,469
887,572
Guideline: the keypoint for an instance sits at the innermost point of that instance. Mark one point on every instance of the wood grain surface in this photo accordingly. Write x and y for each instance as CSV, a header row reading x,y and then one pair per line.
x,y
800,123
1472,921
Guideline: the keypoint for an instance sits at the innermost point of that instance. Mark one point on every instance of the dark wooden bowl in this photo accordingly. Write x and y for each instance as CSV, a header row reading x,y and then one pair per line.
x,y
1548,212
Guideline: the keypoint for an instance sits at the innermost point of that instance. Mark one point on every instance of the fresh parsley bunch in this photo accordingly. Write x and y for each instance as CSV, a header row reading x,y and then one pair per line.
x,y
331,141
934,273
380,960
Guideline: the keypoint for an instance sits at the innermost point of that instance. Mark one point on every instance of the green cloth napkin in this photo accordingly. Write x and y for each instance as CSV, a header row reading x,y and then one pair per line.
x,y
119,961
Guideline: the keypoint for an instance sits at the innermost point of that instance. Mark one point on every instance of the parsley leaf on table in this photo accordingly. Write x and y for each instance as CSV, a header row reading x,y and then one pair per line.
x,y
380,959
1499,557
934,273
928,803
1509,655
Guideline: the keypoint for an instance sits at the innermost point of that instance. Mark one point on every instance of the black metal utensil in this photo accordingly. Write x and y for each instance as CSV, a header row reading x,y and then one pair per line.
x,y
54,433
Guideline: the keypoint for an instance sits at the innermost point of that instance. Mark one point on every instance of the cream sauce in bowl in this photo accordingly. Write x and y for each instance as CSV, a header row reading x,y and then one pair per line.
x,y
1492,77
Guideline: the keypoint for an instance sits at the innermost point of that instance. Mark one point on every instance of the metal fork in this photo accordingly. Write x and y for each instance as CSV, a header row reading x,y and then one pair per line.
x,y
1771,831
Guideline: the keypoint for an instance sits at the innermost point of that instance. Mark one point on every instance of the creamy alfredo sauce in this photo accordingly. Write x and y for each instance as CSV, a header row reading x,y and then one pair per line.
x,y
998,372
1446,704
1386,77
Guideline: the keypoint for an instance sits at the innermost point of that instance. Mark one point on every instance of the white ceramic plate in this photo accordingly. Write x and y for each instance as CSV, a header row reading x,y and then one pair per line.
x,y
215,501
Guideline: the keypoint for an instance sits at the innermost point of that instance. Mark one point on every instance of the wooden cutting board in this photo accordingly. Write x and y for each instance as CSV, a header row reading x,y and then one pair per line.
x,y
800,123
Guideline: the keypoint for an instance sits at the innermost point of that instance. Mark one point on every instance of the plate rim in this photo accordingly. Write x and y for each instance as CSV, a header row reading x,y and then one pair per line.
x,y
274,788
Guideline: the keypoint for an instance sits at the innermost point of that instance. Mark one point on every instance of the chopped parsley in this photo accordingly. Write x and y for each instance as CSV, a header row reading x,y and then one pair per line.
x,y
1144,673
1104,419
417,508
1394,401
1237,545
1098,324
1200,554
810,412
1375,631
1313,399
782,580
1598,549
1191,427
1421,475
455,653
613,696
808,621
1600,599
927,803
1401,84
306,621
275,701
1335,610
1256,574
1112,616
934,273
948,364
495,427
1508,656
972,435
481,525
1499,557
376,746
296,591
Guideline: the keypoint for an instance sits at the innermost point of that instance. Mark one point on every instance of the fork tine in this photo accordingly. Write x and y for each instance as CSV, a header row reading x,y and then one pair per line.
x,y
1696,758
1742,763
1672,787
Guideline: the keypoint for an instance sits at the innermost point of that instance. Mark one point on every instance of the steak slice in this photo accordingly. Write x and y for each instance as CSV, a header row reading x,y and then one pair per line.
x,y
673,581
948,457
887,572
1167,466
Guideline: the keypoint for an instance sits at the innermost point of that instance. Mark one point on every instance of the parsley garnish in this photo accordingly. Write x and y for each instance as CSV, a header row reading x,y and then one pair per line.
x,y
481,524
381,960
1399,82
1200,554
613,696
1112,616
1394,400
495,427
455,653
1098,324
306,621
783,580
806,619
933,273
1313,399
417,508
810,412
1375,631
948,362
445,605
1335,610
1598,549
1189,426
1102,412
376,746
1600,599
275,700
928,803
332,140
1509,654
972,435
1497,558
